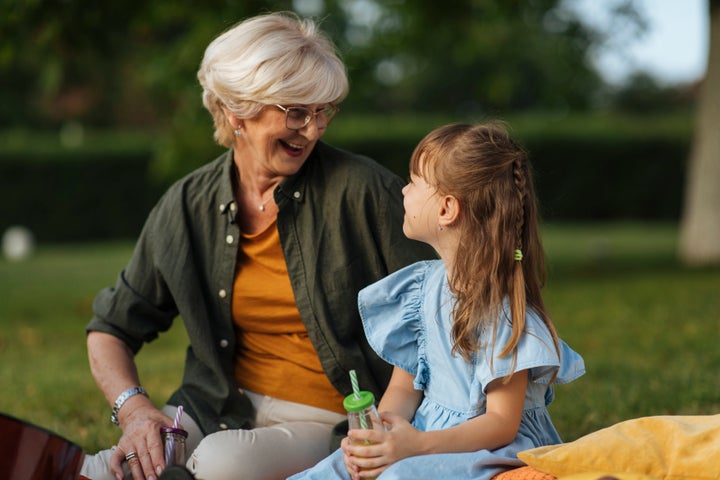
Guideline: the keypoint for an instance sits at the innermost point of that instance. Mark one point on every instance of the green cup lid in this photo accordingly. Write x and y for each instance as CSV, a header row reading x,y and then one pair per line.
x,y
361,402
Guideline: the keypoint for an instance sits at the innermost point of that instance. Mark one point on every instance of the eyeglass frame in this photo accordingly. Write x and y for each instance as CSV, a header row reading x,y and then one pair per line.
x,y
310,114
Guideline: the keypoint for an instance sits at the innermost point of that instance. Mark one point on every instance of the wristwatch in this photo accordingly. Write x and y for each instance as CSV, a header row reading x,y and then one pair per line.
x,y
122,398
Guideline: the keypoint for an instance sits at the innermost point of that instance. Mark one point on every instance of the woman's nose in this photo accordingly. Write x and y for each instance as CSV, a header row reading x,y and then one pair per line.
x,y
314,129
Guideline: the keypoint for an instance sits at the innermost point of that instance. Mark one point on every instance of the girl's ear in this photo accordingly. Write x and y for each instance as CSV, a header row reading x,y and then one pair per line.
x,y
449,211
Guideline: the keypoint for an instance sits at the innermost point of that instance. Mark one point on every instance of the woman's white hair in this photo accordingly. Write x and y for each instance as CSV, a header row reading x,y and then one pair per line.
x,y
277,58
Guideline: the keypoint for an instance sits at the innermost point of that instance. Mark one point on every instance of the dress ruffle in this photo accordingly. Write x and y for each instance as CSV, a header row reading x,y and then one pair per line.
x,y
391,305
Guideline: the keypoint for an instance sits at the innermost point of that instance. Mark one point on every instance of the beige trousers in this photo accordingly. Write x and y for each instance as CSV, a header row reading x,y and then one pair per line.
x,y
288,438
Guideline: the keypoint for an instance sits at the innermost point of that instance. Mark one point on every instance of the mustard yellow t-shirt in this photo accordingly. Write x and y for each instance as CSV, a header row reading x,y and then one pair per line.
x,y
274,355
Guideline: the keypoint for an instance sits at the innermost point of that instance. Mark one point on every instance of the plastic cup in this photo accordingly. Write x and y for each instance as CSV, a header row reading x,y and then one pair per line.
x,y
362,414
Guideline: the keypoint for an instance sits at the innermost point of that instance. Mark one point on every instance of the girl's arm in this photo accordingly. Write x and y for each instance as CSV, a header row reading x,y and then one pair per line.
x,y
497,427
400,396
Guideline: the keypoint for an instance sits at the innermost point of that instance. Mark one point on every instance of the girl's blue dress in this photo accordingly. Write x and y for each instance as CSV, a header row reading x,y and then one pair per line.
x,y
406,317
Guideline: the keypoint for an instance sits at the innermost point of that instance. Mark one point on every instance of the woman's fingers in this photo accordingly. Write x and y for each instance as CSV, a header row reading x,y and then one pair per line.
x,y
154,462
133,463
144,460
116,460
141,436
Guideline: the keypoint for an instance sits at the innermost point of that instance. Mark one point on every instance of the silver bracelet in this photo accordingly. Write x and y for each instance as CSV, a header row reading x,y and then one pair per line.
x,y
122,398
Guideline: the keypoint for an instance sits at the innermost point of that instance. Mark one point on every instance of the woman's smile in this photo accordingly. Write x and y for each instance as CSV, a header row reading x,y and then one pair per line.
x,y
292,149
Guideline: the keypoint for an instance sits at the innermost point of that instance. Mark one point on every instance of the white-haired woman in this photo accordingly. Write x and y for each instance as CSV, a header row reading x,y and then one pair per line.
x,y
261,252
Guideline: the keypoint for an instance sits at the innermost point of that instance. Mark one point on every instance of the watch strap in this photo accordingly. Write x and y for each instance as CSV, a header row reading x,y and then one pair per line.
x,y
122,398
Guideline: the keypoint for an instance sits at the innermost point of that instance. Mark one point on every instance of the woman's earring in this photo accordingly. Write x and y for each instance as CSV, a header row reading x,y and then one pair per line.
x,y
440,228
237,132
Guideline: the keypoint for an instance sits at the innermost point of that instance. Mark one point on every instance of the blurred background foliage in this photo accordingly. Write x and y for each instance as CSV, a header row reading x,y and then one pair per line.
x,y
101,93
133,63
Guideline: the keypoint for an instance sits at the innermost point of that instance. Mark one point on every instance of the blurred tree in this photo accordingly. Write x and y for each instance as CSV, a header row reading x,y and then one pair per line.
x,y
469,56
700,226
101,61
133,63
57,58
643,94
106,63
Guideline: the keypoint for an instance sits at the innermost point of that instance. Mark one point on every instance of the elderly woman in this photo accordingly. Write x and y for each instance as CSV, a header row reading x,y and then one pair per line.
x,y
261,253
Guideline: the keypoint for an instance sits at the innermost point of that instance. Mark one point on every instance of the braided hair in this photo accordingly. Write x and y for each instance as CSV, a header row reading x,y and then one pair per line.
x,y
500,256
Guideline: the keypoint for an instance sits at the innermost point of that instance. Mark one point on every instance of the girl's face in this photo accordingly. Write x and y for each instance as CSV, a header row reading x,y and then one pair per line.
x,y
422,207
269,144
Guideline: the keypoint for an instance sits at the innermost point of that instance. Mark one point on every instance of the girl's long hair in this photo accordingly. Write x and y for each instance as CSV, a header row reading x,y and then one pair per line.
x,y
491,178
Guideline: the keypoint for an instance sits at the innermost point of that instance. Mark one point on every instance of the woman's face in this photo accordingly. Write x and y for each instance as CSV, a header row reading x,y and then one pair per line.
x,y
422,206
267,143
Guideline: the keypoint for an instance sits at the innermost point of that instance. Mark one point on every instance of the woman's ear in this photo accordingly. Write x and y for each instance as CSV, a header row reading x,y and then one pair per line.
x,y
449,211
234,122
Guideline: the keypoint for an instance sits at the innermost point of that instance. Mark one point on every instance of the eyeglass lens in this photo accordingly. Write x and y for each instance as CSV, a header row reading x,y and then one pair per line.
x,y
299,117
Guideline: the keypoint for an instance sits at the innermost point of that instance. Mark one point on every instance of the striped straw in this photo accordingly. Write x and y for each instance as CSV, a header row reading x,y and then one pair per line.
x,y
356,393
170,442
354,382
178,417
169,447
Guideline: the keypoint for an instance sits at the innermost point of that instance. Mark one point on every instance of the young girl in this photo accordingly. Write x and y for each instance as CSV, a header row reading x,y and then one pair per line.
x,y
473,349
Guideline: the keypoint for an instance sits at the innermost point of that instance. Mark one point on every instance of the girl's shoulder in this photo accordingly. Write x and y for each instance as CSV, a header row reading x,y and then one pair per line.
x,y
403,289
392,312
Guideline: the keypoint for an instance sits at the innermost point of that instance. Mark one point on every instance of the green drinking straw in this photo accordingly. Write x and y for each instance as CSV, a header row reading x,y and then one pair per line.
x,y
356,394
354,382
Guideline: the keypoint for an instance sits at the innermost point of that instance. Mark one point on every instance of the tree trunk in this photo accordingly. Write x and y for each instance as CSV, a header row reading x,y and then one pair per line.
x,y
700,223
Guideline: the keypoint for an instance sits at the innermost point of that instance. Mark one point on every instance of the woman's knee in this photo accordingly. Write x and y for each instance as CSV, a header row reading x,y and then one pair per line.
x,y
221,455
270,452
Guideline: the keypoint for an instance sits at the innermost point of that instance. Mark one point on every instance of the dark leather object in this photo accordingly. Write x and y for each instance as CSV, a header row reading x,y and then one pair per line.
x,y
28,452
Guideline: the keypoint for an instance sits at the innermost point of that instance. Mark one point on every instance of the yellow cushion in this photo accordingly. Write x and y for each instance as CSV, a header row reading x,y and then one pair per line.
x,y
665,447
607,476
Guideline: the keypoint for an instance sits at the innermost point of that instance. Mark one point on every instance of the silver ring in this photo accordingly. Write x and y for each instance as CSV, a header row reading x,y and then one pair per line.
x,y
130,456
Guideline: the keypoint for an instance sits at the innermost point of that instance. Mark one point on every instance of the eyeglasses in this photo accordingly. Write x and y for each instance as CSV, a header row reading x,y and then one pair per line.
x,y
298,117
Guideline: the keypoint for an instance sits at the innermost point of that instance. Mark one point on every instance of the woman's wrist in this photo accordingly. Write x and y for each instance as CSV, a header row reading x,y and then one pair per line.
x,y
124,397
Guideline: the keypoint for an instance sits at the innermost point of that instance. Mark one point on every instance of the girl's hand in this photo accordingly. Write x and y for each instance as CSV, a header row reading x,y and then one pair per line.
x,y
352,469
361,453
401,440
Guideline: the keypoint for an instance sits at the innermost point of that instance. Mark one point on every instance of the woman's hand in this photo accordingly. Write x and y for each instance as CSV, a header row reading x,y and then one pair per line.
x,y
141,435
367,453
112,364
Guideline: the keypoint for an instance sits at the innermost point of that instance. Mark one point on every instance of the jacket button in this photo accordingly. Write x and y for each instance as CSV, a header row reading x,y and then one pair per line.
x,y
224,343
222,293
229,239
223,426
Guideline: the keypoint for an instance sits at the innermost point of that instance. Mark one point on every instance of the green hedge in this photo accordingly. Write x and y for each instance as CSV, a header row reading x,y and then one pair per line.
x,y
580,179
586,168
68,199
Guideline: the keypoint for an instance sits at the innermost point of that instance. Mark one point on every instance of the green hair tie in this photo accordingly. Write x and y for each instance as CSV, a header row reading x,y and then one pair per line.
x,y
518,255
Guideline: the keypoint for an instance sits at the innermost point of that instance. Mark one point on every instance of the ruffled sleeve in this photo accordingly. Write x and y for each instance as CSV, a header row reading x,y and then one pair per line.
x,y
536,352
391,312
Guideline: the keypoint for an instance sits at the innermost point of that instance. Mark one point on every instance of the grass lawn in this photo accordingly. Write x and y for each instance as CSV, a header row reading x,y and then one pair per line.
x,y
647,328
